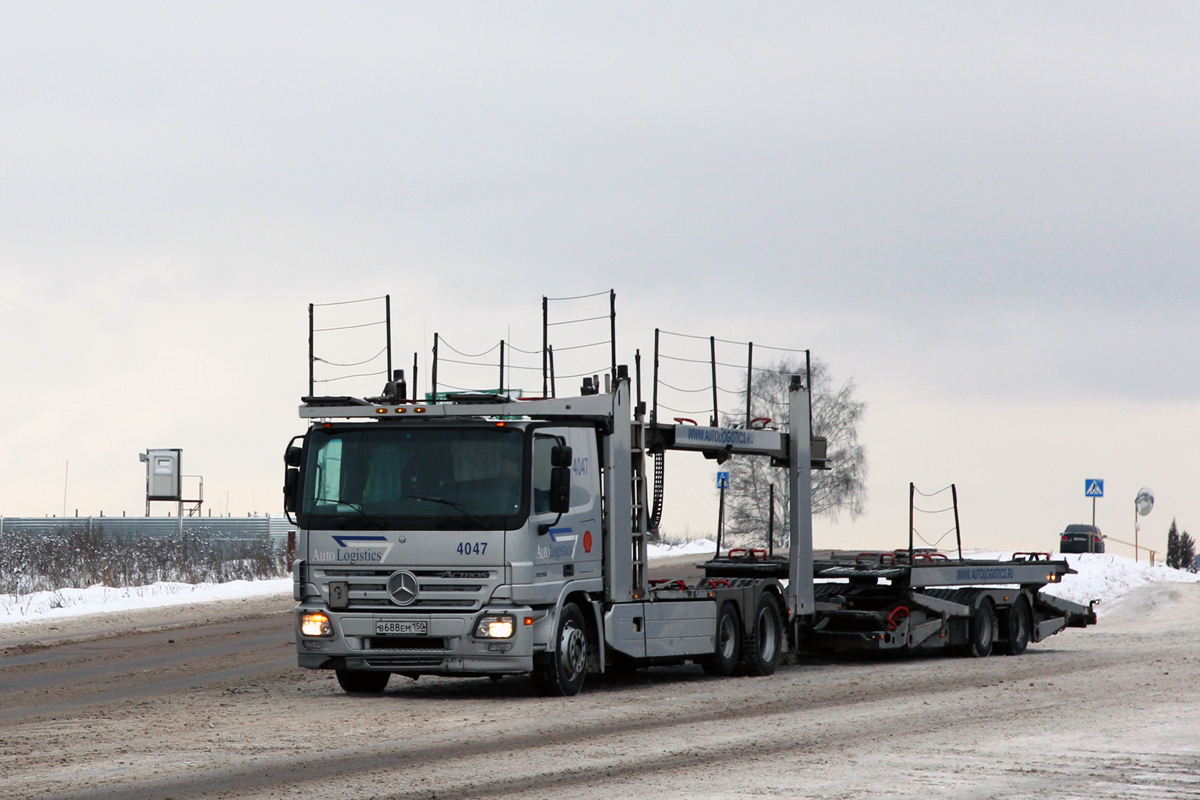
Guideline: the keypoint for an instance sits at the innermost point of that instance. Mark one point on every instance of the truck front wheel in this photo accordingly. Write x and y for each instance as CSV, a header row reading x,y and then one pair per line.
x,y
561,673
357,681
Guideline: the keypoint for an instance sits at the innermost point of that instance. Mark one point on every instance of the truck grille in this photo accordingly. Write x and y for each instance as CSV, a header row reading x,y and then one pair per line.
x,y
456,589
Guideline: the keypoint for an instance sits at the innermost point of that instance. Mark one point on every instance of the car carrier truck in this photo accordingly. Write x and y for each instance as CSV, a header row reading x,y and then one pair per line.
x,y
483,534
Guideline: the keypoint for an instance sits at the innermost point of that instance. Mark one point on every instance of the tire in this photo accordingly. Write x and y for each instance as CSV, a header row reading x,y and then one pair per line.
x,y
729,641
362,681
982,633
762,645
561,673
1018,627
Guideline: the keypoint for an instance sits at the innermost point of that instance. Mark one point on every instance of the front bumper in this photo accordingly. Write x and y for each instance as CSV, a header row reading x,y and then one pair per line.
x,y
448,649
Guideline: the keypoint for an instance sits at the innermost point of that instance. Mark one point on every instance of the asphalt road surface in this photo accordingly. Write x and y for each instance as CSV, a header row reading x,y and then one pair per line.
x,y
208,703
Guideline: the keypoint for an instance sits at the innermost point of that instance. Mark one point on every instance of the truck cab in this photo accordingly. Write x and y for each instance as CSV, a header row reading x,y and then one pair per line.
x,y
436,545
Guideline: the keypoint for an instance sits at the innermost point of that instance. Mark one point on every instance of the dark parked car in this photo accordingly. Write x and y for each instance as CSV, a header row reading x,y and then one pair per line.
x,y
1081,539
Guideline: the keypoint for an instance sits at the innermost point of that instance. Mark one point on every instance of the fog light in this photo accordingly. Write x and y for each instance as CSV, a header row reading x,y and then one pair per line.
x,y
315,624
495,626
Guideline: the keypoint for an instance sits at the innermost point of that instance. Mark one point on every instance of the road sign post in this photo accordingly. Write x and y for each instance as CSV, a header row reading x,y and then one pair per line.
x,y
1093,488
722,484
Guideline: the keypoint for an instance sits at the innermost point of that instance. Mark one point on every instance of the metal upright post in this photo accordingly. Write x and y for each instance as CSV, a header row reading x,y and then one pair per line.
x,y
415,393
808,380
912,490
749,379
310,365
654,394
771,521
1137,529
501,366
637,373
957,530
612,303
800,559
387,310
720,520
712,347
553,386
433,376
545,345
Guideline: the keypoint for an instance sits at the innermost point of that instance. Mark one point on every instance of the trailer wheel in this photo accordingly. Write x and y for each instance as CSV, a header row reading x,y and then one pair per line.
x,y
763,643
1018,626
982,631
363,681
561,673
729,639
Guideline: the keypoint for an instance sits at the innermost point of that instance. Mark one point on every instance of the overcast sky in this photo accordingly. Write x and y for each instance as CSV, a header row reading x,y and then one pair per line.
x,y
985,215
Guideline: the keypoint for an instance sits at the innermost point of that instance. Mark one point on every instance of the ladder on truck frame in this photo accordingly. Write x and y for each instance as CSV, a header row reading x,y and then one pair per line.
x,y
638,522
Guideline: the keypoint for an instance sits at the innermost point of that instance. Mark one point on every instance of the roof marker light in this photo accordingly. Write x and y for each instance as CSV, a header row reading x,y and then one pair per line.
x,y
419,410
399,410
381,411
501,424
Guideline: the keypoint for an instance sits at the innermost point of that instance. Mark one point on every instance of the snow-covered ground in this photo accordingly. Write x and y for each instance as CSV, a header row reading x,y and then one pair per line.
x,y
102,599
1101,577
1106,578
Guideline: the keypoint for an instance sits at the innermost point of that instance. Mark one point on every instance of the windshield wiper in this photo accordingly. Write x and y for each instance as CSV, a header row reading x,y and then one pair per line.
x,y
455,505
354,507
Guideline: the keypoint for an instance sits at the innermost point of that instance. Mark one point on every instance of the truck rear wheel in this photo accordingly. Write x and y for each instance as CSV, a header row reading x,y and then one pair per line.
x,y
561,673
982,634
1018,625
763,643
729,639
357,681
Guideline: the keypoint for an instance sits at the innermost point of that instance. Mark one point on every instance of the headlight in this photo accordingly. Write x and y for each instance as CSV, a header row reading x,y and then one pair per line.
x,y
495,626
315,623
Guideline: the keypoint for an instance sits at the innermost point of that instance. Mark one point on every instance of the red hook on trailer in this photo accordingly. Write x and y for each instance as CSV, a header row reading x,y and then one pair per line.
x,y
719,583
895,615
682,420
758,423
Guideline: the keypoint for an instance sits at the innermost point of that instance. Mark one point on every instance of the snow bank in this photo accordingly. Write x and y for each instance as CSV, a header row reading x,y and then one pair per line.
x,y
694,547
99,599
1102,576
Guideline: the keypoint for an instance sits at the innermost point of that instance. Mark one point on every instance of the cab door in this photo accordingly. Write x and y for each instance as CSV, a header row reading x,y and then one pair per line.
x,y
553,550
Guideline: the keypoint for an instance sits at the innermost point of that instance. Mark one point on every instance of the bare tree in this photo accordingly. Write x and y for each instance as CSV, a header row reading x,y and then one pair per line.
x,y
835,415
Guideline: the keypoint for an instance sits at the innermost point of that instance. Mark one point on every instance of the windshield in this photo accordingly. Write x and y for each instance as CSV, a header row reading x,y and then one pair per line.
x,y
449,478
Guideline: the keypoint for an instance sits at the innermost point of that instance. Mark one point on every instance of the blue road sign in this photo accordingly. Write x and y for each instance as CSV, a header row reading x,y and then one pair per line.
x,y
722,480
1093,487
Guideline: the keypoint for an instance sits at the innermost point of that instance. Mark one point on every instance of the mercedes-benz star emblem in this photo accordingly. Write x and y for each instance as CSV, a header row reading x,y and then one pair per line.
x,y
402,586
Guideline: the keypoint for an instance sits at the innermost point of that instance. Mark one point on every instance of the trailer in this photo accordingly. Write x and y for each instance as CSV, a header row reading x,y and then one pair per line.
x,y
486,533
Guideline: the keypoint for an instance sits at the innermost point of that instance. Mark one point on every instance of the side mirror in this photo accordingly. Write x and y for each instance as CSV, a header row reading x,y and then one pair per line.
x,y
291,485
560,456
560,479
293,456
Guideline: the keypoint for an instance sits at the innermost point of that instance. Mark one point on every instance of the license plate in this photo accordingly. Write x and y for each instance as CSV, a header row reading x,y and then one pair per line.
x,y
401,628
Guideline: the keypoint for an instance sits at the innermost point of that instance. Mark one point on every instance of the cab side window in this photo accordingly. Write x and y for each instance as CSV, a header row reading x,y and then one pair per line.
x,y
542,446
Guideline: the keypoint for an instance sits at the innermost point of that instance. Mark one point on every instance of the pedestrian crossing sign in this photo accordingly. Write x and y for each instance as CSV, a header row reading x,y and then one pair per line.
x,y
1093,487
722,480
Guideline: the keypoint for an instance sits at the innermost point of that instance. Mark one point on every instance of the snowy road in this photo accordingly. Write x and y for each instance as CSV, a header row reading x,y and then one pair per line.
x,y
1108,712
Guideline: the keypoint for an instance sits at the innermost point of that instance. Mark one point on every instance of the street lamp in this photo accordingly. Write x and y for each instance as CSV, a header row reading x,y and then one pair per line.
x,y
1142,505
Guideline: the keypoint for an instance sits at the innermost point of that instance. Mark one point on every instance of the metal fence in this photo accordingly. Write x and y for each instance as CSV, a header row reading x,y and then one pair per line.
x,y
215,527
